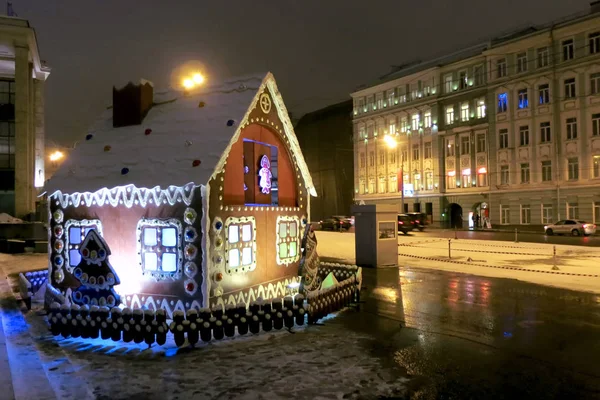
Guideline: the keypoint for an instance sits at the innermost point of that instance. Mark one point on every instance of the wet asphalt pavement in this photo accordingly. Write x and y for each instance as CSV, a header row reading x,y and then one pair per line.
x,y
466,337
509,236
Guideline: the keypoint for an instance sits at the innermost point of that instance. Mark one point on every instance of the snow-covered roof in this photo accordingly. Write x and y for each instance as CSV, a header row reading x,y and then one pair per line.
x,y
182,133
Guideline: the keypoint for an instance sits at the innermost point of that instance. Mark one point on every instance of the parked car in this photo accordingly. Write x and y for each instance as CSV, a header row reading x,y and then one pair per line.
x,y
333,223
570,227
419,220
405,223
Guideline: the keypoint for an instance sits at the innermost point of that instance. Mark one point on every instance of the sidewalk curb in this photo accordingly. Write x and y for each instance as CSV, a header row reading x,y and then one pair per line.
x,y
29,379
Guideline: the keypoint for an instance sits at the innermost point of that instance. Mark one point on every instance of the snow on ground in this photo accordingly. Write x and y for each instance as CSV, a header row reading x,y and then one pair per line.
x,y
329,361
16,263
485,255
9,219
316,362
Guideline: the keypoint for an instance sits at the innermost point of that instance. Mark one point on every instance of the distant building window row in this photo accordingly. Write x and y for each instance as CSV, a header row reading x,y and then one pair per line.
x,y
475,76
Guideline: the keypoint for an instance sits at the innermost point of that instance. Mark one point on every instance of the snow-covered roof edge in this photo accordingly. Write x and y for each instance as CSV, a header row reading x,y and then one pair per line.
x,y
270,84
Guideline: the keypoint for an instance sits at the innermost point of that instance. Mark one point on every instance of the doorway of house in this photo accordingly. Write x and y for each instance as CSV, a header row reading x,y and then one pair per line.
x,y
456,219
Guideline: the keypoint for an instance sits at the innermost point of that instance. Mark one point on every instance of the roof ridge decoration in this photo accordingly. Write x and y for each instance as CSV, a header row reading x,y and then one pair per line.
x,y
128,195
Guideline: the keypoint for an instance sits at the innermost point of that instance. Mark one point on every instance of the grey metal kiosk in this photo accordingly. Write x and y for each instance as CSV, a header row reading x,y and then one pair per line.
x,y
376,234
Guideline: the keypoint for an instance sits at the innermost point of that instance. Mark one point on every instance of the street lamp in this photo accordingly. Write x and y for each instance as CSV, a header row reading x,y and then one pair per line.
x,y
190,82
57,155
392,143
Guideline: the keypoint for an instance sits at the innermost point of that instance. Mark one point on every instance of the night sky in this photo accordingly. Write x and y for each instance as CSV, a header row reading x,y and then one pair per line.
x,y
318,50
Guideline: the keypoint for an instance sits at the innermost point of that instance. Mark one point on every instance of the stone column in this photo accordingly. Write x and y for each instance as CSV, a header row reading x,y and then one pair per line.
x,y
23,181
39,129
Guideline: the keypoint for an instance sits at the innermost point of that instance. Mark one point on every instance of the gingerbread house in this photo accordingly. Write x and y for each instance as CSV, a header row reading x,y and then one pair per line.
x,y
201,195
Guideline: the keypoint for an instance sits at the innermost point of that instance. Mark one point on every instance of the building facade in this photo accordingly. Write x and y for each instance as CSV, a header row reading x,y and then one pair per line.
x,y
22,152
508,130
325,137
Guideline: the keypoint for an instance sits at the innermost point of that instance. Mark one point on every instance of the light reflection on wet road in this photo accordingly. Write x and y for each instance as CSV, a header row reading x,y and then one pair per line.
x,y
461,336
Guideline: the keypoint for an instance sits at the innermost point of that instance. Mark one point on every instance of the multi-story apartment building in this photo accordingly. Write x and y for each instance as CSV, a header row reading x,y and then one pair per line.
x,y
509,130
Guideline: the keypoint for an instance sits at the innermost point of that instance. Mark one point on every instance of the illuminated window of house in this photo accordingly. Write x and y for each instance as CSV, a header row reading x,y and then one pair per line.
x,y
159,247
288,240
75,232
260,173
240,243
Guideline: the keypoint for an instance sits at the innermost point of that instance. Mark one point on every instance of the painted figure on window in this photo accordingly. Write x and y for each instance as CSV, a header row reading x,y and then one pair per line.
x,y
265,175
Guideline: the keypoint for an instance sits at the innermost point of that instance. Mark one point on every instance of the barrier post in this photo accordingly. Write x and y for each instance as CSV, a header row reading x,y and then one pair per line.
x,y
554,267
516,236
449,253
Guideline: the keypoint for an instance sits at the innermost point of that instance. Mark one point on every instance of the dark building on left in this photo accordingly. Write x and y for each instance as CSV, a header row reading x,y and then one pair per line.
x,y
325,137
22,78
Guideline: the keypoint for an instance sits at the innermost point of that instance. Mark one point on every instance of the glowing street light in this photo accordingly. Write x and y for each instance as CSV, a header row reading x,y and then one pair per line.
x,y
57,155
198,78
390,142
188,83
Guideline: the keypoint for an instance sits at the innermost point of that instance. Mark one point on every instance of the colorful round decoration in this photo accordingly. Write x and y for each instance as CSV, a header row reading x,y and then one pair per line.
x,y
86,299
85,252
218,242
190,234
230,122
88,136
147,131
218,224
84,277
94,302
77,296
58,216
107,148
101,253
218,277
101,280
124,171
190,287
93,254
218,259
110,278
59,261
92,280
58,231
195,163
77,273
190,269
58,246
190,216
304,221
59,275
190,251
102,301
110,300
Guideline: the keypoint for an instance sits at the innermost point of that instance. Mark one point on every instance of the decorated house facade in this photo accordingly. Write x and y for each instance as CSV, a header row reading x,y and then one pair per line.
x,y
200,195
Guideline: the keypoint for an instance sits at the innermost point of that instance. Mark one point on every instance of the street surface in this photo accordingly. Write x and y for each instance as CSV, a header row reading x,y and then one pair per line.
x,y
467,337
508,236
420,333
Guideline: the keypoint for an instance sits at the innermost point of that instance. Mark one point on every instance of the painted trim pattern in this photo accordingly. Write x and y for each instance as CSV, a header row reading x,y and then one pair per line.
x,y
265,291
128,195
